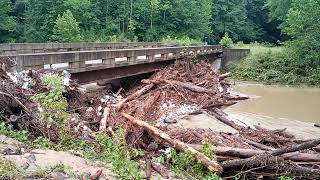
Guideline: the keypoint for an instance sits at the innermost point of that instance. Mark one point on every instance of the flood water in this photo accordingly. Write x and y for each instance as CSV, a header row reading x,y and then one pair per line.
x,y
279,107
296,103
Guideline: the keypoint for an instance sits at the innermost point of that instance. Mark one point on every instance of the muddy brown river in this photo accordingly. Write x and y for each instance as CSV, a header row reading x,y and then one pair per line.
x,y
294,108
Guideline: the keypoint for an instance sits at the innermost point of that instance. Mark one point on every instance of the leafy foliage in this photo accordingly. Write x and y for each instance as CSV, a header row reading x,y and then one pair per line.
x,y
7,22
8,131
184,164
231,17
184,41
273,65
226,41
55,105
285,178
115,152
142,20
66,28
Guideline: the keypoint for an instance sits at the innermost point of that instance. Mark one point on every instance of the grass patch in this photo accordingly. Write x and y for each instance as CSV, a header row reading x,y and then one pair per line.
x,y
8,170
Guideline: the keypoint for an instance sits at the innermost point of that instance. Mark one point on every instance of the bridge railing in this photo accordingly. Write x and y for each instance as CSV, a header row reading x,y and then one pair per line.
x,y
81,61
11,49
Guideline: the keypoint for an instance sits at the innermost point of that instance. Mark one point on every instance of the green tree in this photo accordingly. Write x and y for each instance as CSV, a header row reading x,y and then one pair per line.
x,y
279,9
231,17
66,28
40,19
303,26
7,21
267,29
83,12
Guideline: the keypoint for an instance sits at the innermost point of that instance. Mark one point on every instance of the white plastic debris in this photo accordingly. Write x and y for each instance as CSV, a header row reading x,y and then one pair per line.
x,y
66,77
172,112
111,98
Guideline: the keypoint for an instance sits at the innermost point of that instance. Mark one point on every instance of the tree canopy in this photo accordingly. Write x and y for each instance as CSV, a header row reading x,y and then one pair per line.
x,y
150,20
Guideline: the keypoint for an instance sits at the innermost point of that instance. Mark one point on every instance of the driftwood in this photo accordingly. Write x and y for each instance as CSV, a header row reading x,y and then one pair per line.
x,y
236,98
185,85
223,118
306,145
134,95
223,76
256,144
150,101
247,153
103,122
211,165
256,161
220,104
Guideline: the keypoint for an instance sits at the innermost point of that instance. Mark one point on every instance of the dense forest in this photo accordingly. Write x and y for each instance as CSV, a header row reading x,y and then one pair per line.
x,y
292,23
141,20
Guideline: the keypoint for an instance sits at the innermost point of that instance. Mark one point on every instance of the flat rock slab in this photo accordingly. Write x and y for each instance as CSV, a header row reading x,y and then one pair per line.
x,y
49,158
205,121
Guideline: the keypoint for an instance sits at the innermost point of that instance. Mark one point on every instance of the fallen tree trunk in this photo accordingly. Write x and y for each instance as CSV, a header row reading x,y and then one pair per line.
x,y
134,95
256,144
306,145
236,98
211,165
185,85
223,76
256,161
247,153
223,119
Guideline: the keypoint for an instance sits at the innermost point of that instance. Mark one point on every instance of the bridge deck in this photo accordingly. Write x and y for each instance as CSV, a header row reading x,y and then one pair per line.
x,y
93,61
11,49
82,61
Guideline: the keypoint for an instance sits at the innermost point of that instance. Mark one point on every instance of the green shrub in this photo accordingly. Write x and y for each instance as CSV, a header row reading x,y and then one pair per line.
x,y
185,165
275,65
55,106
226,41
114,151
66,28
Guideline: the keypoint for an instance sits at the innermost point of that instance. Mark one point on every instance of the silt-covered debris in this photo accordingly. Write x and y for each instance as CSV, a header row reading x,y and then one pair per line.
x,y
148,114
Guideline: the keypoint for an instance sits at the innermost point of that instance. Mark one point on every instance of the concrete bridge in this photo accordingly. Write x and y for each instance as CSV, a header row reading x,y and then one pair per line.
x,y
90,62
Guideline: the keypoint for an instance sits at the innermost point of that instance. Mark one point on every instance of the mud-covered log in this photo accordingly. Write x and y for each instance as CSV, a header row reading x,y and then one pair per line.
x,y
134,95
256,161
294,148
256,144
185,85
221,117
247,153
151,101
223,76
181,146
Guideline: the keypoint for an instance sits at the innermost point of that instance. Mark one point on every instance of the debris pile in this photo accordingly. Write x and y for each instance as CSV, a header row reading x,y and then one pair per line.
x,y
149,114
